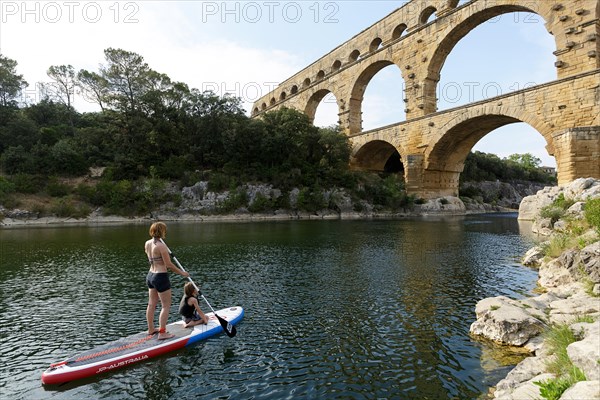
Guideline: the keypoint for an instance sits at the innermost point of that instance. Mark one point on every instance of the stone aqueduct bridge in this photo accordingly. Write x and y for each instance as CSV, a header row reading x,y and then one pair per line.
x,y
434,145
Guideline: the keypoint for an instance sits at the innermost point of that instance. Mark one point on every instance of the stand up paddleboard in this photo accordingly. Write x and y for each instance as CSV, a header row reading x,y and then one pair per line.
x,y
135,348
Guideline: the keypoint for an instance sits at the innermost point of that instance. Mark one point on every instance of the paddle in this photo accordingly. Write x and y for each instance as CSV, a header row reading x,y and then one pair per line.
x,y
227,327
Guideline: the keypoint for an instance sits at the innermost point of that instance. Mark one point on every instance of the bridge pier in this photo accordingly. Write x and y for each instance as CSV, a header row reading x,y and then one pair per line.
x,y
577,152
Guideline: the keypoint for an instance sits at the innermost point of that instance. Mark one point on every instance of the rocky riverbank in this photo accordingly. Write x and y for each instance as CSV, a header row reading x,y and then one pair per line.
x,y
568,303
199,204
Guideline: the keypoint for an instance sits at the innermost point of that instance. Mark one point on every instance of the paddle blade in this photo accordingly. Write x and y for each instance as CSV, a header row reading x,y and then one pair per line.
x,y
227,327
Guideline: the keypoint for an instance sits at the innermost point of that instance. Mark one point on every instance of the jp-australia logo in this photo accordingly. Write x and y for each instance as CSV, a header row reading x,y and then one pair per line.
x,y
122,363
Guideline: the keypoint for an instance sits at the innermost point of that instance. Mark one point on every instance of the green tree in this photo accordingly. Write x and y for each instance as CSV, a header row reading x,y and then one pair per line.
x,y
527,160
11,83
62,89
94,88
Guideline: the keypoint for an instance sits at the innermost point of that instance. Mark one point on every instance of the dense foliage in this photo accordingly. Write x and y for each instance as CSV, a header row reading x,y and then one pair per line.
x,y
517,167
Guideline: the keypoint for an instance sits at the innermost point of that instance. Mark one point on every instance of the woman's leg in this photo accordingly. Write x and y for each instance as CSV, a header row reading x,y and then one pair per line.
x,y
165,301
152,302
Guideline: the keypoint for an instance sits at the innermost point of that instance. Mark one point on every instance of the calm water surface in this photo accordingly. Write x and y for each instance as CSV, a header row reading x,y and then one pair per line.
x,y
334,309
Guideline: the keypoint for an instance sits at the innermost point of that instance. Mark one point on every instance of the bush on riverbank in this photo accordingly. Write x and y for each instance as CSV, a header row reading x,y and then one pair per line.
x,y
558,338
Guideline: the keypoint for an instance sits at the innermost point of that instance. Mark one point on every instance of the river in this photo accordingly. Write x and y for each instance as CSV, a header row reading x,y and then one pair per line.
x,y
334,309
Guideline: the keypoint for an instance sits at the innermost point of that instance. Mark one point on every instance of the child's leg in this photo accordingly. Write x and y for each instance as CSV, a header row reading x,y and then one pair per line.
x,y
192,323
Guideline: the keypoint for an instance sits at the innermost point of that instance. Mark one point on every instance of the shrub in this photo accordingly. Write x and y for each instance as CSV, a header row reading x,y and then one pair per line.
x,y
311,200
260,204
6,187
28,184
68,208
236,199
56,189
557,244
558,338
556,210
592,213
553,389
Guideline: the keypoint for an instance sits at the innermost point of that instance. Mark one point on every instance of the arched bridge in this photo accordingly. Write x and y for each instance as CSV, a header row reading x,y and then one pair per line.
x,y
433,145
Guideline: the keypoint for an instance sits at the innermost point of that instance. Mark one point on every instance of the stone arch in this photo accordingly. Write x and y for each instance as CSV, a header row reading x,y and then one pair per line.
x,y
358,91
336,65
306,82
426,14
294,89
399,31
450,151
320,75
376,155
452,3
282,96
313,103
375,44
355,55
449,41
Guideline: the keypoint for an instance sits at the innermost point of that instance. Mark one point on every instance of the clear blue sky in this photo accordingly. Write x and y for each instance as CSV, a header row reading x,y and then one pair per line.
x,y
247,47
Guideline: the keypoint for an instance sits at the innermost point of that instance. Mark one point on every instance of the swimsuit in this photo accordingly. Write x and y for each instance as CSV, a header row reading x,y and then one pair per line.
x,y
188,313
157,280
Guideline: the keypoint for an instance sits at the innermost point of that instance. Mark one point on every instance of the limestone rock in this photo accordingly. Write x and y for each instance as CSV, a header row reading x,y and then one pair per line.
x,y
582,188
527,390
533,257
585,353
444,205
542,226
590,259
554,274
523,372
566,310
501,320
585,390
576,210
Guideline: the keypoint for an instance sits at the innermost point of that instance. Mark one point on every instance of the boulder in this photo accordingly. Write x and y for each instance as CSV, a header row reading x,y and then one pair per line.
x,y
527,390
585,390
523,372
585,353
590,260
554,274
533,257
501,320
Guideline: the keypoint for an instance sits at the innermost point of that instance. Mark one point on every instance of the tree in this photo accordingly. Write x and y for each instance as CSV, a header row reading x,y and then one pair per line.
x,y
62,89
527,160
128,78
11,84
93,87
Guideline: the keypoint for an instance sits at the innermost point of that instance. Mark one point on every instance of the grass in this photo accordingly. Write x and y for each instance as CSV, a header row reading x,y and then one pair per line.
x,y
558,338
558,244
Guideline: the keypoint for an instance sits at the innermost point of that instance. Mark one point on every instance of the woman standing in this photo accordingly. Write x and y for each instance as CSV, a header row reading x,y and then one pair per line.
x,y
159,286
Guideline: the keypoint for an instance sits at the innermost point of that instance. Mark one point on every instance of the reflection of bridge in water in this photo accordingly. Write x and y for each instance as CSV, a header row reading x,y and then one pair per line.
x,y
431,145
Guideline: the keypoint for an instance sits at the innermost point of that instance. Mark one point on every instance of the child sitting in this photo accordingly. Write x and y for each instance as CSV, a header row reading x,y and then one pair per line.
x,y
190,311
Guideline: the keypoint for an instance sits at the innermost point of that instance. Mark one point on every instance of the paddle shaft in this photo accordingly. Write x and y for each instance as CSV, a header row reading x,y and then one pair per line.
x,y
227,327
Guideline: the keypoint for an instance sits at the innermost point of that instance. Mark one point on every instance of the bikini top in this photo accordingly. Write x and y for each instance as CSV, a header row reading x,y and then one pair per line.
x,y
152,260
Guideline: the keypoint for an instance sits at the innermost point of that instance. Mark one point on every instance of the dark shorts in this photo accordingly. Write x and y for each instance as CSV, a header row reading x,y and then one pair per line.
x,y
159,281
195,317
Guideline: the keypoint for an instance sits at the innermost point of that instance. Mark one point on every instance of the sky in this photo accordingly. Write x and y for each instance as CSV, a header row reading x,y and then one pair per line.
x,y
246,48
